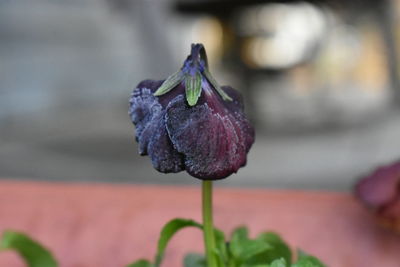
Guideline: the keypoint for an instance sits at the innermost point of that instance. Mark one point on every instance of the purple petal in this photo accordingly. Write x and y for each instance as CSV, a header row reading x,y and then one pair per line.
x,y
148,116
381,187
214,135
162,154
380,191
144,109
236,107
237,99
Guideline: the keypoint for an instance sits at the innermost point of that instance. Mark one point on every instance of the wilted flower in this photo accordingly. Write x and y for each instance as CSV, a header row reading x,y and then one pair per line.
x,y
188,122
380,192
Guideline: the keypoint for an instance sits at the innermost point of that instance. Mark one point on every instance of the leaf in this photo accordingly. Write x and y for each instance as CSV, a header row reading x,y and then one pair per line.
x,y
238,235
141,263
279,248
244,249
170,83
222,252
194,260
34,254
305,260
214,83
278,263
193,88
167,233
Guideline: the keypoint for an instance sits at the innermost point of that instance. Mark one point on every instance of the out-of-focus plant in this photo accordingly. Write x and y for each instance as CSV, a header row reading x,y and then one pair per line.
x,y
380,193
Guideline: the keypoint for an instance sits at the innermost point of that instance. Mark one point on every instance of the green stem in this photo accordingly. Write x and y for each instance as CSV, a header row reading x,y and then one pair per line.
x,y
209,238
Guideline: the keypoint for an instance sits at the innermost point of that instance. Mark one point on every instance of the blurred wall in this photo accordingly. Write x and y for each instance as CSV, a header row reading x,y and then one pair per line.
x,y
68,68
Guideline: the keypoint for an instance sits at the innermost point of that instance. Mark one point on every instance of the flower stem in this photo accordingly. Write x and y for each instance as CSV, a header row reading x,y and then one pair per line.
x,y
209,238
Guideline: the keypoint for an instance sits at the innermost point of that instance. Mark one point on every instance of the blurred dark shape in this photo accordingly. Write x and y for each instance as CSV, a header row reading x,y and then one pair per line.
x,y
380,192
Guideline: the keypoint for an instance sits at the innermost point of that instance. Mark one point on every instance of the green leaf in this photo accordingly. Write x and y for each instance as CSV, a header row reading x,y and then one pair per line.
x,y
193,88
170,83
194,260
214,83
278,263
279,248
244,249
305,260
222,251
167,233
141,263
34,254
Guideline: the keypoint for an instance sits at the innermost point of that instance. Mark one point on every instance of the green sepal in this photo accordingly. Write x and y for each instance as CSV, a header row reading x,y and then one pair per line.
x,y
193,88
170,83
34,254
214,83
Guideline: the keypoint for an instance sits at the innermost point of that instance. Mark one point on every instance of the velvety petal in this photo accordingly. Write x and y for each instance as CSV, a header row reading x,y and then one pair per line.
x,y
148,116
214,136
237,99
143,110
143,107
162,154
236,107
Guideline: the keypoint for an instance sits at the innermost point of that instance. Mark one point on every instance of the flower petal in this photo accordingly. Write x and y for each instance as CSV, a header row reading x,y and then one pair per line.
x,y
213,139
380,192
381,187
143,109
162,154
236,107
148,116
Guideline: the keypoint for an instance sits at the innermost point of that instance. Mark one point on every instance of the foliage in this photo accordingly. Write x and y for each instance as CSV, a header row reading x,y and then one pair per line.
x,y
34,254
266,250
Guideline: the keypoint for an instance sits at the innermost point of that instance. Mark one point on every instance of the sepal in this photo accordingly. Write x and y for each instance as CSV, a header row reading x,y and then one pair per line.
x,y
193,88
170,83
215,84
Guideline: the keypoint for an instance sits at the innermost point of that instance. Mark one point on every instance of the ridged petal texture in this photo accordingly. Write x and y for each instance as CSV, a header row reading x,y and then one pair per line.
x,y
148,115
209,140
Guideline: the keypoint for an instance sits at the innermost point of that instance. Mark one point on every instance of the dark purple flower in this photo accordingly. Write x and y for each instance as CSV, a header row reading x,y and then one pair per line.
x,y
380,191
188,122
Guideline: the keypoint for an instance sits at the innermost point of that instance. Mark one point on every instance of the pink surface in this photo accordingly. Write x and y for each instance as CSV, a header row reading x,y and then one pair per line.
x,y
108,225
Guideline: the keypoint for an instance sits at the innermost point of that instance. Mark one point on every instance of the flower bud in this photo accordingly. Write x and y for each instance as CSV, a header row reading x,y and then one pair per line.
x,y
188,122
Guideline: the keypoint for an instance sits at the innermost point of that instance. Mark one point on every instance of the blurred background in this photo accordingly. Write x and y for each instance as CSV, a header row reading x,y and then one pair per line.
x,y
320,79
